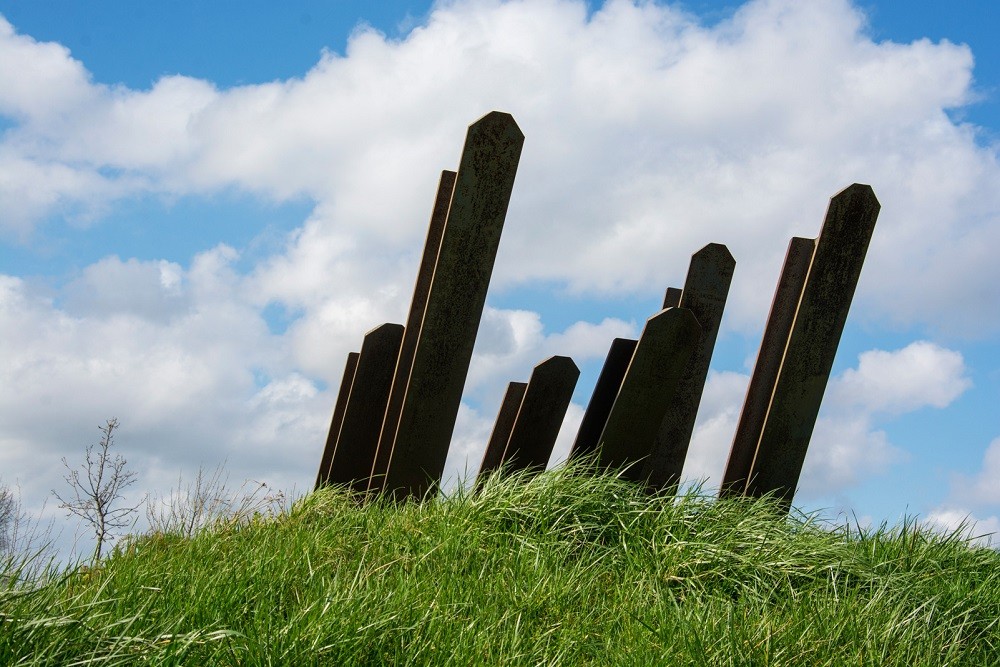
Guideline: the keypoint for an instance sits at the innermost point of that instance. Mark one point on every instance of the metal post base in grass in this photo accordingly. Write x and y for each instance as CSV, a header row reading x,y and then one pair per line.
x,y
454,308
358,438
765,370
603,398
418,304
655,372
541,414
502,427
706,288
812,343
323,477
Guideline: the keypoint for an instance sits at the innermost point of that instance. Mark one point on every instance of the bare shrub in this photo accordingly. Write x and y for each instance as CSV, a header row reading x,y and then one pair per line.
x,y
97,489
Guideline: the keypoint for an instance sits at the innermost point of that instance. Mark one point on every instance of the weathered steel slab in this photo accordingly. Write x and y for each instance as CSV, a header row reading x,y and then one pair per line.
x,y
706,288
654,374
338,418
421,288
454,306
355,451
765,370
672,297
812,344
542,411
605,391
504,424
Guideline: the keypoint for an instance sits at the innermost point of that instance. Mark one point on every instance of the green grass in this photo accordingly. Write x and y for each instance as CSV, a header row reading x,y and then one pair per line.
x,y
567,569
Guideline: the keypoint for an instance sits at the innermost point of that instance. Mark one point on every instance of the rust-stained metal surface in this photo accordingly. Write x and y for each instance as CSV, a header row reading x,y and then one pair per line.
x,y
355,450
654,374
338,418
765,370
672,297
454,306
706,288
542,410
421,288
605,392
504,424
812,344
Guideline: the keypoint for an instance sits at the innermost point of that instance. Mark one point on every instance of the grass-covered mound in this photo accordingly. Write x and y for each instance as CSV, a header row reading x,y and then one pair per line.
x,y
565,569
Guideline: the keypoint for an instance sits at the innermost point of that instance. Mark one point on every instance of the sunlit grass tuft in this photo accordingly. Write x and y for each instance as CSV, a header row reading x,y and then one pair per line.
x,y
565,568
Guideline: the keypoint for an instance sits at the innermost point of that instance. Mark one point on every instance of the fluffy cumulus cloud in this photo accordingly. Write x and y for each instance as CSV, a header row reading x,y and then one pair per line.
x,y
899,381
848,445
649,134
974,502
983,489
189,367
951,521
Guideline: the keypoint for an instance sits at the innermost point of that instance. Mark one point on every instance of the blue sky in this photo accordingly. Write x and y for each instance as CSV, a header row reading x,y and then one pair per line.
x,y
204,206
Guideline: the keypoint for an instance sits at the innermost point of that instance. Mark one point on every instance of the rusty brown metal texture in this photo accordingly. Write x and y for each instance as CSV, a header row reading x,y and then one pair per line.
x,y
421,288
812,343
338,418
504,424
605,392
454,306
706,288
765,370
654,374
352,458
542,411
672,297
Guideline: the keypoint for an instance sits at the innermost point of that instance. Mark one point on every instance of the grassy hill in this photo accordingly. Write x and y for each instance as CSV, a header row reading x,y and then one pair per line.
x,y
567,569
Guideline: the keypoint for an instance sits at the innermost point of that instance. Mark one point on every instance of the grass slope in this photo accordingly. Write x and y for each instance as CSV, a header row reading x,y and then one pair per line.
x,y
567,569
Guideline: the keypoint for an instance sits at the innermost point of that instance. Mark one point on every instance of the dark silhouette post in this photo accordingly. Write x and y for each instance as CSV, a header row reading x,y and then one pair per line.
x,y
454,308
812,343
765,370
705,291
338,418
358,437
667,342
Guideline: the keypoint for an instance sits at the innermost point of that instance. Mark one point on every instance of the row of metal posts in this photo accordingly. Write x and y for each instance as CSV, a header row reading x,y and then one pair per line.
x,y
399,397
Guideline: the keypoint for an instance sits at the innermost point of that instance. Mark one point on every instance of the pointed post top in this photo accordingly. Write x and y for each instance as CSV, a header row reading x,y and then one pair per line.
x,y
672,298
852,213
558,361
498,122
858,194
717,251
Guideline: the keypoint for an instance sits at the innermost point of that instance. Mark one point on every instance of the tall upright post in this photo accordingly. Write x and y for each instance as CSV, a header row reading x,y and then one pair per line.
x,y
813,341
454,307
418,304
706,288
654,374
541,414
765,370
502,427
322,476
672,297
358,438
605,392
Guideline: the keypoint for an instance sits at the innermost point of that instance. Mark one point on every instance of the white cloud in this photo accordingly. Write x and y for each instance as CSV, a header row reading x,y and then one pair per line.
x,y
949,520
921,374
847,445
186,364
983,488
648,135
972,502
